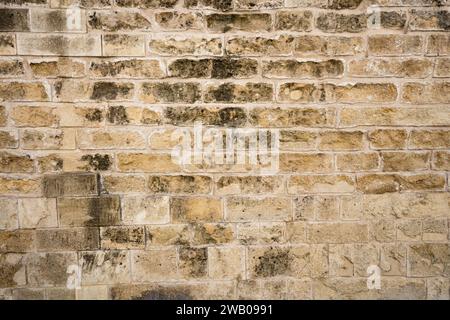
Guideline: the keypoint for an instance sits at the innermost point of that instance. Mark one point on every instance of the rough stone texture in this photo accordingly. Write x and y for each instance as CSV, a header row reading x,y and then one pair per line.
x,y
101,99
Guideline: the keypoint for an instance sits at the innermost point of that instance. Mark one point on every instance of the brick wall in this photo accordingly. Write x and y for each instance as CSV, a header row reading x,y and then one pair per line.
x,y
91,92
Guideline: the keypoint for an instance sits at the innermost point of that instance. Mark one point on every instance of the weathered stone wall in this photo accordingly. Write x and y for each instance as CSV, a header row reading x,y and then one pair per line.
x,y
89,99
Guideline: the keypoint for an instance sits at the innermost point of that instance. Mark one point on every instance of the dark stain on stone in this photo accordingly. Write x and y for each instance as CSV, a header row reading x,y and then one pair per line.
x,y
344,4
273,262
117,115
94,115
165,294
224,92
173,92
14,20
194,260
443,19
98,161
110,90
188,68
147,3
125,235
393,20
232,116
187,115
222,5
104,211
11,68
6,41
228,68
58,86
8,271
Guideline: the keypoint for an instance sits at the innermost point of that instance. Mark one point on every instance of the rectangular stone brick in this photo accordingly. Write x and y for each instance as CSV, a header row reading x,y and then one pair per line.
x,y
279,261
341,140
303,69
213,68
204,209
381,183
399,205
294,20
429,20
8,214
173,21
47,139
37,213
357,161
401,68
426,93
253,233
321,184
93,211
23,91
81,3
146,4
179,184
33,116
141,162
338,23
49,269
258,209
117,45
73,239
259,46
105,267
404,161
154,264
180,46
249,185
392,45
438,45
122,237
7,44
78,91
441,160
193,262
291,140
316,208
187,92
53,20
442,68
305,162
339,232
8,139
328,45
14,20
112,21
109,139
425,139
12,163
429,259
291,117
58,45
17,241
238,22
13,272
388,116
10,68
239,93
226,263
70,185
16,186
126,68
145,210
124,184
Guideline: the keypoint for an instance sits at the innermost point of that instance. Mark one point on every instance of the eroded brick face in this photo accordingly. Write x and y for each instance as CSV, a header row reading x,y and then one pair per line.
x,y
91,101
